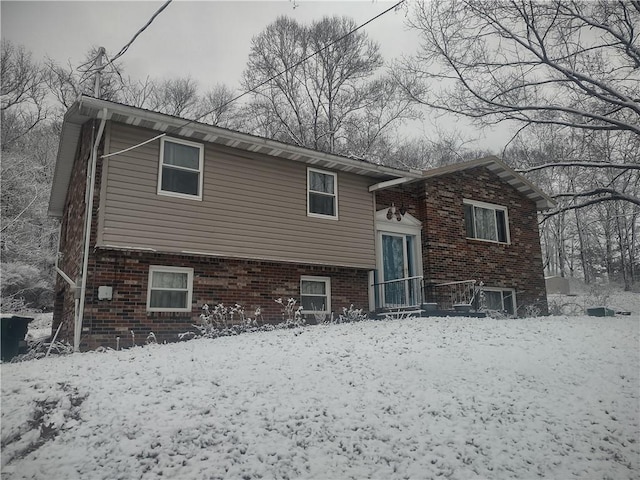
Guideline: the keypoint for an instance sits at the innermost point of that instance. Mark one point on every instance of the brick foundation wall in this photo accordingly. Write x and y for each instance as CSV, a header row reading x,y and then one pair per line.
x,y
449,256
215,280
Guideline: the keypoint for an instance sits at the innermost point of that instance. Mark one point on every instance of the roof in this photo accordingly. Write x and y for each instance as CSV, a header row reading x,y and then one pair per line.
x,y
87,108
504,172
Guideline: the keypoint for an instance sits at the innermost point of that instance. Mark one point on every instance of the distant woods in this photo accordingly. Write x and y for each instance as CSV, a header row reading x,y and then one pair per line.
x,y
571,96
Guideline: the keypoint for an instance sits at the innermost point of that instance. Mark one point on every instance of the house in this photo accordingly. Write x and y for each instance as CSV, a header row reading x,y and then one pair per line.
x,y
160,215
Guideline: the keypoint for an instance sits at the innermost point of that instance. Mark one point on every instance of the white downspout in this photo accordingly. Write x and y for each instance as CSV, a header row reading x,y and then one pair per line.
x,y
87,234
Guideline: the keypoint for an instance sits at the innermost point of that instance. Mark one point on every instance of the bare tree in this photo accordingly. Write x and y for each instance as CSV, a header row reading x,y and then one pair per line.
x,y
567,63
29,237
446,148
593,230
137,93
176,96
219,108
317,83
23,94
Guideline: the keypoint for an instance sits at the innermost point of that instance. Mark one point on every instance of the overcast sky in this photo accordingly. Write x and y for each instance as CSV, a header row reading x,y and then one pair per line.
x,y
208,40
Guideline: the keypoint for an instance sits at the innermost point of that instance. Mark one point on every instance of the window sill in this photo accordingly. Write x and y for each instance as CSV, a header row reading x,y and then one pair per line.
x,y
495,242
319,215
180,195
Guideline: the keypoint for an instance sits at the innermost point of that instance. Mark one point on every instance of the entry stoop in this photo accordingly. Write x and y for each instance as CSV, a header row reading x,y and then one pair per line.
x,y
427,310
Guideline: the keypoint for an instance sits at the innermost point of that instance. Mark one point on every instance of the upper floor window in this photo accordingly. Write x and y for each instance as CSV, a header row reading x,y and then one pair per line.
x,y
322,194
180,168
170,289
485,221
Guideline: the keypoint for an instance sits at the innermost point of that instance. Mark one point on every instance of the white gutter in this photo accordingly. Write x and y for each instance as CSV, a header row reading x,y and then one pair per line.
x,y
87,232
186,126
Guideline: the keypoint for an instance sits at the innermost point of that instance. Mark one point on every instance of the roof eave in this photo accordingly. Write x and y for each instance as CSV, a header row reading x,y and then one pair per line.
x,y
505,173
69,139
86,108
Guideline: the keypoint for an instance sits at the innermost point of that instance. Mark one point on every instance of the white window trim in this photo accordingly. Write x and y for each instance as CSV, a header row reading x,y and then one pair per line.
x,y
510,290
327,288
409,225
335,194
160,268
491,206
200,148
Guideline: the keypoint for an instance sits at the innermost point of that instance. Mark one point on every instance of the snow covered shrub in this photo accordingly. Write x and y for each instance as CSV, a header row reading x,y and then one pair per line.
x,y
223,321
291,315
530,310
24,288
258,316
321,317
37,349
351,314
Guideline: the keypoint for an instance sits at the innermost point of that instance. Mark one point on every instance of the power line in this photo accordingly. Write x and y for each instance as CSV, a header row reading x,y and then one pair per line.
x,y
110,62
126,47
253,89
262,83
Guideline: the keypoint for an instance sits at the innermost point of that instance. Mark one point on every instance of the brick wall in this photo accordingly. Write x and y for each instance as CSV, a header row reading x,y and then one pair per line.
x,y
72,236
449,256
215,280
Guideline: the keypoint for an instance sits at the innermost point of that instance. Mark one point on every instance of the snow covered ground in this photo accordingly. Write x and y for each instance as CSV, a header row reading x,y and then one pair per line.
x,y
555,397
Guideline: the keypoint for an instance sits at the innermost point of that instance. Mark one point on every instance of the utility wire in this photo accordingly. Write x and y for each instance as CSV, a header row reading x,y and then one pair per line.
x,y
122,51
311,55
126,47
253,89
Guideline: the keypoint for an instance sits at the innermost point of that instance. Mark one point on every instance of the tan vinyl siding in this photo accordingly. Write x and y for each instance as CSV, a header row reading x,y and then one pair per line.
x,y
253,206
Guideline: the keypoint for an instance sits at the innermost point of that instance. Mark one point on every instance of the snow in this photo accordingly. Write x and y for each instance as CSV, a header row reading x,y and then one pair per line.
x,y
554,397
40,327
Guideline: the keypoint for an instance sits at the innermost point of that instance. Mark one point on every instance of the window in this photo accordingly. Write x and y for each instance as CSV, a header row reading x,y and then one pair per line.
x,y
322,195
180,168
500,300
315,294
170,289
485,221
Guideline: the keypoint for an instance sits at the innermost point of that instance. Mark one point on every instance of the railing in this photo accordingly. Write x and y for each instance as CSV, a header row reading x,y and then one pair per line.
x,y
399,293
448,294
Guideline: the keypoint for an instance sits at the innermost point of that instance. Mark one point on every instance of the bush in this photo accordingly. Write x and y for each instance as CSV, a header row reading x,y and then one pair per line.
x,y
24,288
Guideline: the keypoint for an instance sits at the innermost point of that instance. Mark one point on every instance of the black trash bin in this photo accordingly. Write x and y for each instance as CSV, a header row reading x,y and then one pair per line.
x,y
12,335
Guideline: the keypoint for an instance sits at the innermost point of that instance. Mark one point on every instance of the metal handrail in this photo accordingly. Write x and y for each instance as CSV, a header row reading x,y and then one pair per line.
x,y
399,293
473,282
462,292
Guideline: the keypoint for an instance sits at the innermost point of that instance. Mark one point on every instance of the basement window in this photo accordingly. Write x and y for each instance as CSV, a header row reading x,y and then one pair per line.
x,y
322,194
181,165
499,300
170,289
315,294
485,221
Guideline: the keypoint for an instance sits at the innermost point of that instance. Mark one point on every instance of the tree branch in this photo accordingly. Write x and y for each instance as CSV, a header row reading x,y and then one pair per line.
x,y
621,166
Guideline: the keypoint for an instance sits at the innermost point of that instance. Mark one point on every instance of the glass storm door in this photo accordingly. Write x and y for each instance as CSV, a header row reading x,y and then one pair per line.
x,y
397,263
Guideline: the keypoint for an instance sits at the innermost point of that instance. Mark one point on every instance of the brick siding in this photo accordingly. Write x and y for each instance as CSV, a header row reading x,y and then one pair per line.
x,y
215,280
449,256
72,236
